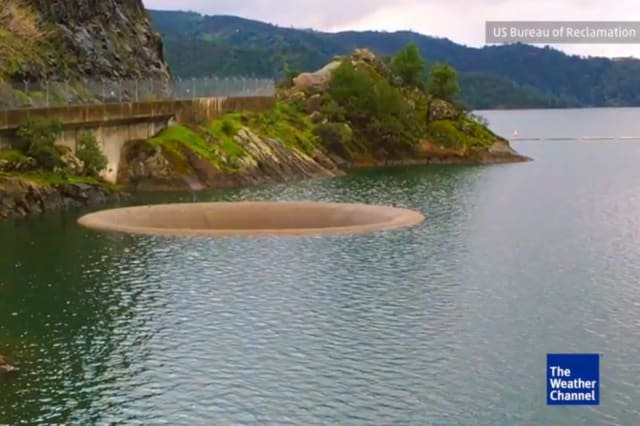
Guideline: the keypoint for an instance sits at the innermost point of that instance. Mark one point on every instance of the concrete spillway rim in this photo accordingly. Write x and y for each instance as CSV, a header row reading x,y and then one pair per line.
x,y
388,218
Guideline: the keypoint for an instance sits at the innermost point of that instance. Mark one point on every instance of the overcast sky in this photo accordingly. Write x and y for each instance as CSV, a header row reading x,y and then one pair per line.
x,y
459,20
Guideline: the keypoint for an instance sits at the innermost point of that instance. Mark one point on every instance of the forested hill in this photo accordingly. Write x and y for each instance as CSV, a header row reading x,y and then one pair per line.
x,y
512,76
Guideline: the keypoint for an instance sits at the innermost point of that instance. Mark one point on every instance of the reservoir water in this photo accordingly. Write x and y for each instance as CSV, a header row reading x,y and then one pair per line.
x,y
445,323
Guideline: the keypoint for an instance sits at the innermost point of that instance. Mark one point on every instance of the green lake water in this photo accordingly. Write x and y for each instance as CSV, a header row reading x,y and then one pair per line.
x,y
445,323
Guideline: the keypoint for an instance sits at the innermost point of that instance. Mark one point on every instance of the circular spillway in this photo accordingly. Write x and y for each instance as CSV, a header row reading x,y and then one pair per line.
x,y
252,218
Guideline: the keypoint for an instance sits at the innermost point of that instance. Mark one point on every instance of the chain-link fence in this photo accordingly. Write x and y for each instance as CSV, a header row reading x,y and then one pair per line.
x,y
83,92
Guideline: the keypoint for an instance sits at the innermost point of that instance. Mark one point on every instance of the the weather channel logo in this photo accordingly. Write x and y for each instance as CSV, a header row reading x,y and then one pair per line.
x,y
573,379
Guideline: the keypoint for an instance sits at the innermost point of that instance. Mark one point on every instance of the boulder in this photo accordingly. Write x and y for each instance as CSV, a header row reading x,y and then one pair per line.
x,y
146,161
313,103
145,166
318,80
442,110
297,96
364,55
316,117
70,162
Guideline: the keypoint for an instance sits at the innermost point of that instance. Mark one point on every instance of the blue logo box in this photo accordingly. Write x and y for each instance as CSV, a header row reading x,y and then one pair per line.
x,y
573,379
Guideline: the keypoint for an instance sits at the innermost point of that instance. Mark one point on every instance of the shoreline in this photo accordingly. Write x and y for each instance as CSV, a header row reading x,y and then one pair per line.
x,y
22,196
435,161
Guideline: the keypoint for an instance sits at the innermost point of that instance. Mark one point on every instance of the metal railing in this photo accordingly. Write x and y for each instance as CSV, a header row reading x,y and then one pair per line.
x,y
86,92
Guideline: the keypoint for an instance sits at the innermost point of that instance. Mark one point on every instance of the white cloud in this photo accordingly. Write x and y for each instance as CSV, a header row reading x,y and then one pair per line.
x,y
459,20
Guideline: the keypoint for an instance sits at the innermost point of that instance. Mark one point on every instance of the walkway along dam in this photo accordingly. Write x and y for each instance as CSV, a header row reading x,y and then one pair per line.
x,y
117,122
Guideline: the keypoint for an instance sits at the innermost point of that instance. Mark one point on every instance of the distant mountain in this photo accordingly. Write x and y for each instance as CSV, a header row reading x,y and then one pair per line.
x,y
510,76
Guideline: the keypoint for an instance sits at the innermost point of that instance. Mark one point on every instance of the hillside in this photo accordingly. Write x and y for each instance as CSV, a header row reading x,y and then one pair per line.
x,y
497,76
73,39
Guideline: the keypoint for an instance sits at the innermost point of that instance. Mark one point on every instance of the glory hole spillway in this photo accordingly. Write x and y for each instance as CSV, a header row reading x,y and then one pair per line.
x,y
252,218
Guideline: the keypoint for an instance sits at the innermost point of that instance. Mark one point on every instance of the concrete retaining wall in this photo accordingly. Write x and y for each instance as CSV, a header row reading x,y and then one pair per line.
x,y
115,124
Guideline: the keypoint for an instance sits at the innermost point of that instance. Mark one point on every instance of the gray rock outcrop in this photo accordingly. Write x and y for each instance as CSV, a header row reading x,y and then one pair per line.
x,y
110,39
20,197
264,160
442,110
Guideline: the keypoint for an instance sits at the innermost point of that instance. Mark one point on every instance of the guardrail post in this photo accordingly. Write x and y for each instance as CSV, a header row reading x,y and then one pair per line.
x,y
100,91
26,90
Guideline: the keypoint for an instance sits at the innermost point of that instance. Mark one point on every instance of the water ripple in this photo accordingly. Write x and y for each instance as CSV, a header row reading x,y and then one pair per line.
x,y
446,323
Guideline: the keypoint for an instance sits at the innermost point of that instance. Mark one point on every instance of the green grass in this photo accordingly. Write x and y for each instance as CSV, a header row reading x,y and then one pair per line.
x,y
13,156
287,123
176,137
20,37
216,143
223,131
199,141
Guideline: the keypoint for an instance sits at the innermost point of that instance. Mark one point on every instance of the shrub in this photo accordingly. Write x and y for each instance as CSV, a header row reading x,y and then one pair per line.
x,y
90,154
445,133
462,133
332,110
36,139
378,111
228,127
335,137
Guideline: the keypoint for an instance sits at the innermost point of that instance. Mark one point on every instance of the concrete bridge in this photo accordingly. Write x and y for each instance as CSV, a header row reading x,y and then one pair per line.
x,y
114,124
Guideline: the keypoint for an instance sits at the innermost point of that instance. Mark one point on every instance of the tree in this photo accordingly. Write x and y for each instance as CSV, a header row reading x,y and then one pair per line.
x,y
443,82
36,139
377,110
409,65
90,154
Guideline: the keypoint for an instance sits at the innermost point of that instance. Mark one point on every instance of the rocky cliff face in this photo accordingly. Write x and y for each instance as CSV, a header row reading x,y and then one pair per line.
x,y
264,160
97,39
21,197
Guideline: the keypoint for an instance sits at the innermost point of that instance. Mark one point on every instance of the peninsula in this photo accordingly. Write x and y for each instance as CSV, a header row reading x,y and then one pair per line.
x,y
360,110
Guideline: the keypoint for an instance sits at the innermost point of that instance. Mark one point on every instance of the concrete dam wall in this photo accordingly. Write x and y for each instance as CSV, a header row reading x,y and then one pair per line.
x,y
117,123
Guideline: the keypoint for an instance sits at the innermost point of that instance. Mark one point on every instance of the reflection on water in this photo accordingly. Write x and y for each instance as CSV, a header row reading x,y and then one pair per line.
x,y
445,323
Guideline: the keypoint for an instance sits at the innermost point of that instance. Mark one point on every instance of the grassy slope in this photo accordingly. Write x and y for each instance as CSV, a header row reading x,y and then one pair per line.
x,y
21,38
215,141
